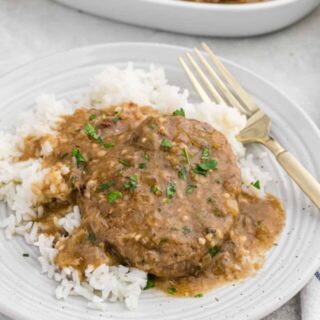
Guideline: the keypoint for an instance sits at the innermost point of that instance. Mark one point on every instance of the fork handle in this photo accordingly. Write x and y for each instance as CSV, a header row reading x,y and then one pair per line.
x,y
308,184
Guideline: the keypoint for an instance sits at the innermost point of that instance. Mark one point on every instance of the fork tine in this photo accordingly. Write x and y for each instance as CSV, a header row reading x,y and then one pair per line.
x,y
222,87
195,82
244,96
213,91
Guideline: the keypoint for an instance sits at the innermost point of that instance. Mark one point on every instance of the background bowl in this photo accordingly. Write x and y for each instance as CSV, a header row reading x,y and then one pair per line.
x,y
223,20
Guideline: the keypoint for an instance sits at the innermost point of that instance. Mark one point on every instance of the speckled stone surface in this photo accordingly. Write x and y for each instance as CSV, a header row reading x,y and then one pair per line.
x,y
290,58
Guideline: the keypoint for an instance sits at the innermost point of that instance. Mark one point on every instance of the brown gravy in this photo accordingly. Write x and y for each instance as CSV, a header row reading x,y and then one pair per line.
x,y
146,202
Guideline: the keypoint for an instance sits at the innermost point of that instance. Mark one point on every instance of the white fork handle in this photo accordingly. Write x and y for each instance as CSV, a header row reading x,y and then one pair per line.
x,y
308,184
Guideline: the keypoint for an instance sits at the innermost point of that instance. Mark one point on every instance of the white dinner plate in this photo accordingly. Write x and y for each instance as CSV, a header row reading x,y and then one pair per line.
x,y
28,295
223,20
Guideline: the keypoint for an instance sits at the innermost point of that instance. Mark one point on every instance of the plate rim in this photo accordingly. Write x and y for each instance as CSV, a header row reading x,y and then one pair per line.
x,y
256,314
270,4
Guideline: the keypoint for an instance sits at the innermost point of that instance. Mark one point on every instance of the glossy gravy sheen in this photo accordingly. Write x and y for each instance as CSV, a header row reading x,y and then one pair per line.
x,y
160,193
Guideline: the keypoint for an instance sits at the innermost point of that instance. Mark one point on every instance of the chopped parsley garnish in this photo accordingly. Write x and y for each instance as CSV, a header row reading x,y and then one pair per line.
x,y
91,236
142,165
105,185
258,223
256,184
203,168
25,254
205,154
163,240
113,196
154,189
217,181
179,112
186,230
211,199
166,144
172,290
186,156
199,295
124,163
73,180
213,251
150,284
115,119
171,190
146,157
92,117
174,229
132,183
90,131
218,213
108,144
190,188
182,173
151,126
78,156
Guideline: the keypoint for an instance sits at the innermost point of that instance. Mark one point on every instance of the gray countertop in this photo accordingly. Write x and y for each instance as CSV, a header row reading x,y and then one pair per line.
x,y
289,58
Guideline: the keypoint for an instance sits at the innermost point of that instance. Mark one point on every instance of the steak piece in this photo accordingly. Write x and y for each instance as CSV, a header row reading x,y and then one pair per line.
x,y
164,198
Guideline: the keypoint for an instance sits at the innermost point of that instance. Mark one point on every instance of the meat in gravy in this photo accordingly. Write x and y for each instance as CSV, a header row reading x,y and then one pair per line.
x,y
161,193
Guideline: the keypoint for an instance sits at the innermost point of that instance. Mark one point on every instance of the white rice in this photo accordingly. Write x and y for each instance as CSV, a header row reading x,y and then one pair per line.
x,y
110,87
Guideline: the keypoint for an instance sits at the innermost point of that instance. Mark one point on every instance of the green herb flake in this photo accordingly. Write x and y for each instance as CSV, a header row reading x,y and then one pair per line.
x,y
90,131
171,190
199,295
163,240
166,144
25,255
113,196
172,290
92,117
218,213
142,165
115,119
91,236
217,181
203,168
146,157
150,284
179,112
132,183
124,162
78,156
152,126
182,173
154,189
258,223
186,230
213,251
108,145
186,156
73,180
257,184
190,188
105,185
211,199
205,154
174,229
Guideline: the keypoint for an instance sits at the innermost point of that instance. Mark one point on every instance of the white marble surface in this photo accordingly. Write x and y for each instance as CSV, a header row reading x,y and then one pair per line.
x,y
290,58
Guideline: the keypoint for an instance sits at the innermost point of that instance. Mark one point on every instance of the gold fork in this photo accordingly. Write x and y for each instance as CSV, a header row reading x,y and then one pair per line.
x,y
258,124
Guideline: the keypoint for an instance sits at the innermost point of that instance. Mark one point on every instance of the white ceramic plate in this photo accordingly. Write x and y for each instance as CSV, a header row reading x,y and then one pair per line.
x,y
28,295
223,20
